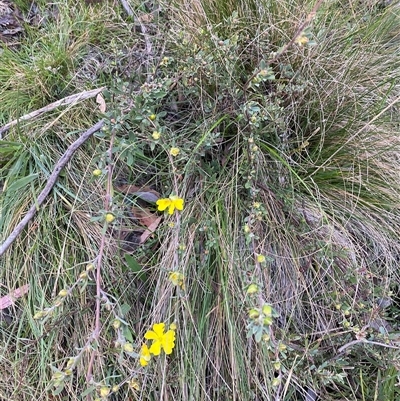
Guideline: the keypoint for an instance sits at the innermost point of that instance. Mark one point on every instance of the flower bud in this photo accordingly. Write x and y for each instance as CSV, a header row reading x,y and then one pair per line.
x,y
104,392
63,293
267,310
254,314
128,347
252,289
109,217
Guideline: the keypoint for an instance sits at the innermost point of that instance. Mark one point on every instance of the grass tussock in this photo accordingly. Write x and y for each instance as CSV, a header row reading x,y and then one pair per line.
x,y
276,123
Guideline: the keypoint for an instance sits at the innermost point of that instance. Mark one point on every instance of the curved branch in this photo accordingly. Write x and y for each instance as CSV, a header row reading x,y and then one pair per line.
x,y
64,159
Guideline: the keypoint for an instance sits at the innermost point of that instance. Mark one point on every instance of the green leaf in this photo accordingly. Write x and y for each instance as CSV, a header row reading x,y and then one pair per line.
x,y
58,389
135,266
128,334
88,391
22,182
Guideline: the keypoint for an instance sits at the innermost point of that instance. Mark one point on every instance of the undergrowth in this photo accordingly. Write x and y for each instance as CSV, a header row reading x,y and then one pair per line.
x,y
269,132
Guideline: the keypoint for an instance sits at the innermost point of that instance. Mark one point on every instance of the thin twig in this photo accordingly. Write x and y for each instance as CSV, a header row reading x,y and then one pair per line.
x,y
64,159
62,102
364,341
97,326
126,7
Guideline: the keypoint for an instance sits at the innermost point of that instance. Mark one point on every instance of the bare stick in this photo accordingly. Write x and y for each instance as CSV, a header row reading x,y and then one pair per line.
x,y
64,159
127,8
62,102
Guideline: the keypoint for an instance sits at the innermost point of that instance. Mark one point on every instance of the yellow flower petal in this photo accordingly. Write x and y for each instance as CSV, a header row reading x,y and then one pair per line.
x,y
171,208
178,202
169,341
163,203
155,348
145,355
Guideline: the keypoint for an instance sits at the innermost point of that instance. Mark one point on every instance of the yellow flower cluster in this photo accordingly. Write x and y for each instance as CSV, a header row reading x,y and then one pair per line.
x,y
160,341
177,279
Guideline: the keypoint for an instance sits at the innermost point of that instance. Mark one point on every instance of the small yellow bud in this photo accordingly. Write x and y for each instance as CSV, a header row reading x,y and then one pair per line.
x,y
267,310
266,337
254,314
246,229
128,347
63,293
39,315
115,388
338,306
109,217
282,347
174,151
277,365
104,391
83,275
68,372
156,135
260,258
57,375
152,117
97,172
70,362
252,289
276,381
267,321
134,384
172,326
116,324
90,267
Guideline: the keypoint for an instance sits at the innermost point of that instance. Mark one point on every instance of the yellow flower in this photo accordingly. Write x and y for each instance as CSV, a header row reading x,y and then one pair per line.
x,y
104,392
156,135
161,340
301,40
252,289
145,355
177,279
174,151
109,217
172,203
260,258
128,347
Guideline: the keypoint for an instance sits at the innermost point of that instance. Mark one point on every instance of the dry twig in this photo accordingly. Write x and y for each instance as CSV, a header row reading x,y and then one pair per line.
x,y
62,102
64,159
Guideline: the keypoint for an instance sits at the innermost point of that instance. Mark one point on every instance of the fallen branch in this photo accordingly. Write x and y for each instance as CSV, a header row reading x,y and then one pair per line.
x,y
62,102
64,159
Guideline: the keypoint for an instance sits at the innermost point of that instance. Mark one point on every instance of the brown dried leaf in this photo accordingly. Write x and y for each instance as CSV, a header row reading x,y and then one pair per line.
x,y
145,217
9,299
150,229
102,103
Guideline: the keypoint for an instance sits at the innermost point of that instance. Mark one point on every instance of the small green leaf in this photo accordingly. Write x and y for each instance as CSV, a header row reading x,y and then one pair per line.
x,y
58,390
88,391
135,266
